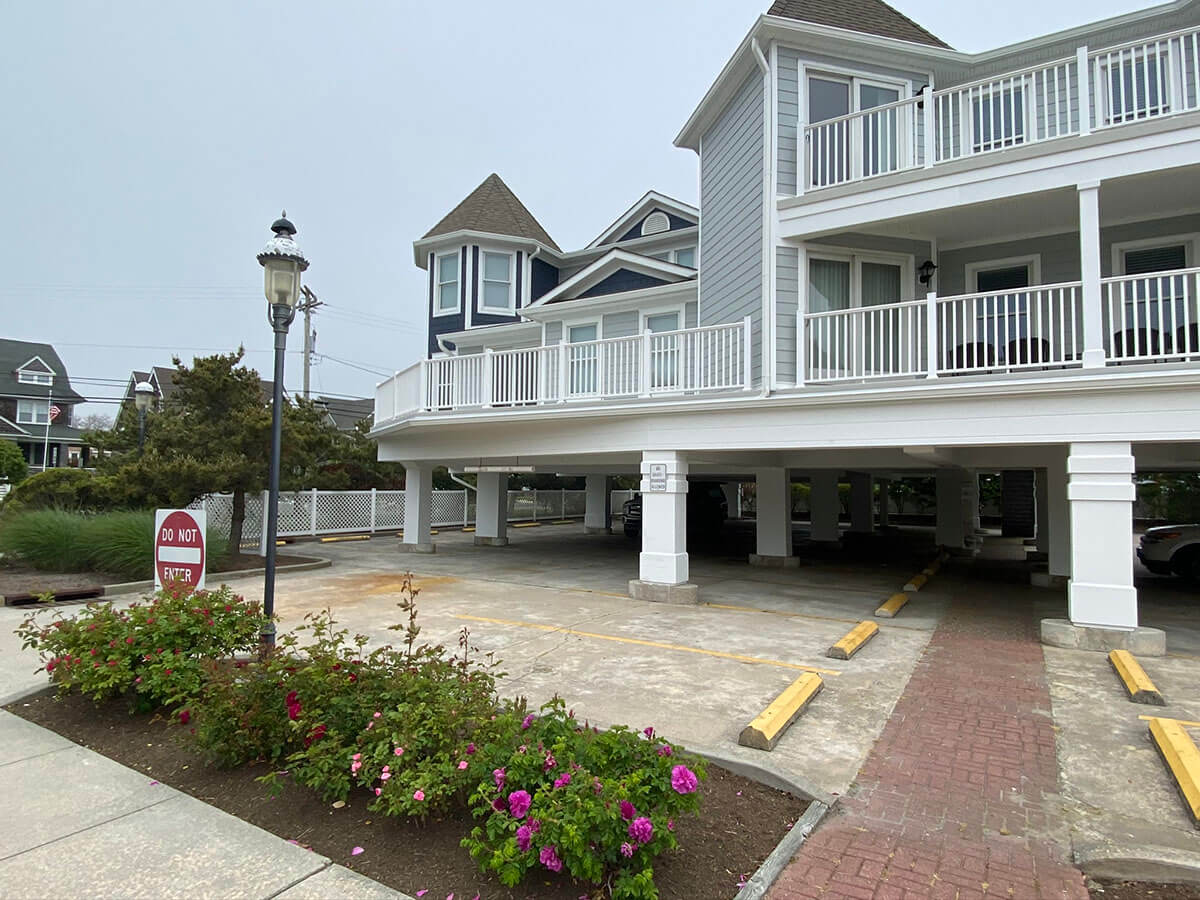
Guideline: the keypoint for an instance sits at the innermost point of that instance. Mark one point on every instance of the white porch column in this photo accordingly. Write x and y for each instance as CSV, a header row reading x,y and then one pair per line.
x,y
491,509
663,564
971,504
824,506
1058,517
418,503
862,503
1089,268
951,530
1041,502
732,491
773,524
1101,495
597,511
884,502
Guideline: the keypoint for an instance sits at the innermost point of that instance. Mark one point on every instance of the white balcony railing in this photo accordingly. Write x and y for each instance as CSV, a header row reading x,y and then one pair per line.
x,y
685,362
866,342
1154,316
1093,89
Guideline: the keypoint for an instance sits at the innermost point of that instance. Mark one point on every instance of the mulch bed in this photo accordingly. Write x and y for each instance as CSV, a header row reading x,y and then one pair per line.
x,y
740,823
1140,890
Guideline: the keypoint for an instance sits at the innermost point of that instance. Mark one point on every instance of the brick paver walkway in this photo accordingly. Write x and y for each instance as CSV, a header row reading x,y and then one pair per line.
x,y
958,798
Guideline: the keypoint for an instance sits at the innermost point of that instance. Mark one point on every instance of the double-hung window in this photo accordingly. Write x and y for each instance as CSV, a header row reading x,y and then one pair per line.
x,y
446,292
32,412
496,280
26,377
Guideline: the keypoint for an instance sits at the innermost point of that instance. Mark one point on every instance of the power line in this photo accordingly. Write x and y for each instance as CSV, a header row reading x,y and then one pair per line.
x,y
374,370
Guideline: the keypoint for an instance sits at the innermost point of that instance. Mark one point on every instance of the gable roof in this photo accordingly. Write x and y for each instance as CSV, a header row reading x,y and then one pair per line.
x,y
18,354
493,208
344,413
649,202
36,364
609,264
866,16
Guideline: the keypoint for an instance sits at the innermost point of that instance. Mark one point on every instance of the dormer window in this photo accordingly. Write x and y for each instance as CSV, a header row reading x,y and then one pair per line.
x,y
496,283
26,377
655,223
446,290
686,256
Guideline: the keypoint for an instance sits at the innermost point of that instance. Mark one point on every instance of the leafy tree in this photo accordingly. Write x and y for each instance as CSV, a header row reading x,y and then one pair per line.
x,y
13,467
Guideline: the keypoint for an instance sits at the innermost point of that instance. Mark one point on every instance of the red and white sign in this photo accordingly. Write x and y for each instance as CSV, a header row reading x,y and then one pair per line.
x,y
179,547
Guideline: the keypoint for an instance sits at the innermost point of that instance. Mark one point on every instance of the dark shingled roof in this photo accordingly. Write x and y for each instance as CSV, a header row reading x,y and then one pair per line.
x,y
495,209
16,353
867,16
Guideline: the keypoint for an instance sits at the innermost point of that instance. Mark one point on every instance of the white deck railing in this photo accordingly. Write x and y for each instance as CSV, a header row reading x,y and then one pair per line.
x,y
1152,316
687,361
1092,89
866,342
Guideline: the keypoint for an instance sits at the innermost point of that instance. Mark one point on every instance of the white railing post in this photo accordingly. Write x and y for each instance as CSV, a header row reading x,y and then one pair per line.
x,y
312,513
931,335
374,501
1083,77
466,503
489,376
927,105
747,372
644,380
563,378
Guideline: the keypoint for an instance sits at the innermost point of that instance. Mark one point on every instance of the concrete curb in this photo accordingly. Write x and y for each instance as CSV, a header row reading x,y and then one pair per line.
x,y
765,773
760,882
1142,862
136,587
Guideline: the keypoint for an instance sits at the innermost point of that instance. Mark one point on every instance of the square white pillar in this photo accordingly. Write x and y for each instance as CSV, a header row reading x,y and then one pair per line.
x,y
971,503
733,498
1089,269
1101,495
663,564
773,522
824,506
418,503
597,510
491,509
1041,503
884,502
1058,519
862,503
951,488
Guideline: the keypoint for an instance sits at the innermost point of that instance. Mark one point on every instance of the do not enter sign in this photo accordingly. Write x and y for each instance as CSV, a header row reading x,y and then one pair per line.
x,y
179,547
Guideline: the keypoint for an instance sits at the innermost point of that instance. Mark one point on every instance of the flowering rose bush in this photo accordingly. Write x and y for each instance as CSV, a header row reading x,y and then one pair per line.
x,y
557,795
155,651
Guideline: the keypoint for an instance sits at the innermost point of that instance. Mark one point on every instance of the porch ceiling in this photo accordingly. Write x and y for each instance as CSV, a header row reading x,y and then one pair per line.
x,y
1144,196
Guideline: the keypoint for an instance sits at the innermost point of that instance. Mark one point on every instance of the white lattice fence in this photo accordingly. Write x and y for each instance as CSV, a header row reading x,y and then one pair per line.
x,y
389,510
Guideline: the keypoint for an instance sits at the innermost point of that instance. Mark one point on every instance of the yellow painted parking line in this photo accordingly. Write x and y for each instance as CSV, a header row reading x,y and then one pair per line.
x,y
345,537
892,606
1184,722
721,654
1182,759
1133,677
792,615
770,724
854,641
469,528
526,524
916,582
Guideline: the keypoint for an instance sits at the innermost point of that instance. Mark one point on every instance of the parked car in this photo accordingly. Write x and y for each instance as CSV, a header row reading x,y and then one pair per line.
x,y
707,510
1172,549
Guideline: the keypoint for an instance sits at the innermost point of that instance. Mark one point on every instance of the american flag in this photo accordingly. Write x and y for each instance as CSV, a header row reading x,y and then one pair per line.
x,y
54,412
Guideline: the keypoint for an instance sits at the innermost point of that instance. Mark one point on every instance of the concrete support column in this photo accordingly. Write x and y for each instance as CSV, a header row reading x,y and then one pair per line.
x,y
773,489
491,509
971,504
663,564
951,526
862,503
1041,502
1058,520
418,507
597,510
1089,268
825,506
1101,495
884,502
733,498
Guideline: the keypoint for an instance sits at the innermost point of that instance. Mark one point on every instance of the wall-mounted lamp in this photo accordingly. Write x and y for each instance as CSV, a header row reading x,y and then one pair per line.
x,y
925,272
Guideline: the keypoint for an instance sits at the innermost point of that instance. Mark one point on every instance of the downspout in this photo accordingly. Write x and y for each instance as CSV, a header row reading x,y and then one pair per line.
x,y
458,480
768,325
529,258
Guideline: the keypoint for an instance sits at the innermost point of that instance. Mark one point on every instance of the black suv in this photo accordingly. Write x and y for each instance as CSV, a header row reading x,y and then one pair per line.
x,y
707,510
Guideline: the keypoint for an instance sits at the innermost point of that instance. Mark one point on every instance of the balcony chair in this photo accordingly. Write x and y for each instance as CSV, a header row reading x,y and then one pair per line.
x,y
1134,340
1187,339
1021,351
974,357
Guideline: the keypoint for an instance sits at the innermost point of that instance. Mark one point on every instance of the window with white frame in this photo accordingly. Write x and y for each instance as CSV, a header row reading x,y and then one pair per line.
x,y
583,358
874,144
32,412
1156,312
496,280
1134,84
26,377
446,290
845,280
686,256
999,116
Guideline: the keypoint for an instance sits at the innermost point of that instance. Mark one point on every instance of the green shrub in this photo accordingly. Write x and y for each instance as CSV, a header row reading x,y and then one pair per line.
x,y
155,651
48,539
61,488
557,795
13,467
121,543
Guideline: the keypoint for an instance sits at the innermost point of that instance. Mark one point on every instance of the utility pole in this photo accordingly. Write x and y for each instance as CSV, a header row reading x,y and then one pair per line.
x,y
307,305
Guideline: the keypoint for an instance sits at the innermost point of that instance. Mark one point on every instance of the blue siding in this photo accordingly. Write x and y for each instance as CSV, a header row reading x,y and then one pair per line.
x,y
543,278
620,281
636,230
443,324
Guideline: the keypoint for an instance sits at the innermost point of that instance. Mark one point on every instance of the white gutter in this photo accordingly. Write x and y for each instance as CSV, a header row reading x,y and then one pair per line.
x,y
465,484
767,373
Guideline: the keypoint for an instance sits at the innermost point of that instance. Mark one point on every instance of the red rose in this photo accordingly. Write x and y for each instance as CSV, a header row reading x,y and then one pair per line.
x,y
185,716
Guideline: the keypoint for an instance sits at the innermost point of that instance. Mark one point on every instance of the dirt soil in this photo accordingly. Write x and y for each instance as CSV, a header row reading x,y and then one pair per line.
x,y
1139,890
18,579
740,823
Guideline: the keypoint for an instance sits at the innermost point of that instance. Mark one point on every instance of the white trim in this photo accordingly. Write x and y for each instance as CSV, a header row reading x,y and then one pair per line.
x,y
37,359
582,323
678,309
45,379
856,257
652,221
34,405
1028,119
612,303
511,309
611,262
1032,261
1189,241
437,283
639,210
498,332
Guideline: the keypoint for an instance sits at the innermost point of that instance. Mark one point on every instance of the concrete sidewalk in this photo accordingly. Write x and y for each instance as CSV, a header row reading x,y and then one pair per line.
x,y
80,825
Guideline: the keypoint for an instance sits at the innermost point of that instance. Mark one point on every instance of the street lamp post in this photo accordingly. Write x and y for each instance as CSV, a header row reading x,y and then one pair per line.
x,y
282,262
143,395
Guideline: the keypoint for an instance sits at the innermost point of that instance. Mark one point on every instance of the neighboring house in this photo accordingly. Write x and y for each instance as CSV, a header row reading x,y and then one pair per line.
x,y
33,383
911,260
162,379
345,414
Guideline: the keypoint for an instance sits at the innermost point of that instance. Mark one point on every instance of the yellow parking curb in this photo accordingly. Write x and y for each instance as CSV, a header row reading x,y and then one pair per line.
x,y
563,522
526,524
1182,759
1134,678
345,537
916,582
469,528
769,725
854,641
891,606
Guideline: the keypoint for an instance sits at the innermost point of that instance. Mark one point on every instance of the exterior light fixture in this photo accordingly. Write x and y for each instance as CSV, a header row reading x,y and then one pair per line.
x,y
143,396
925,272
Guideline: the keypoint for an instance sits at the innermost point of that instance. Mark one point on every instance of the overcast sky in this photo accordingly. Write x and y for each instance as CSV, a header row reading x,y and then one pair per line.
x,y
147,147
